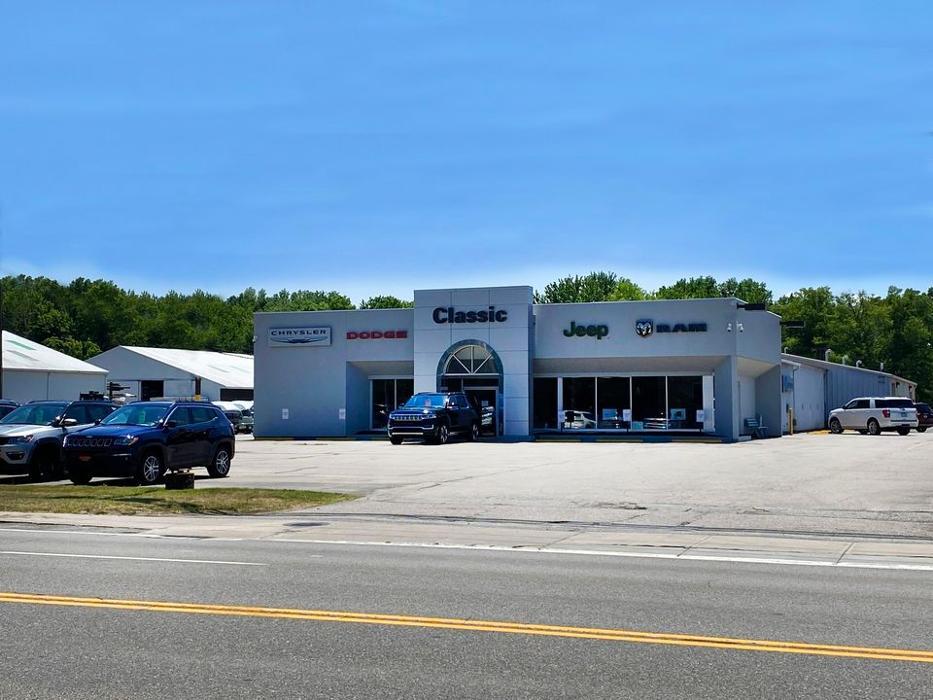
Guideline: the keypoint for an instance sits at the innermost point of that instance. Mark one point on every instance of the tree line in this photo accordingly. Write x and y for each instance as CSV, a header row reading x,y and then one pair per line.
x,y
84,317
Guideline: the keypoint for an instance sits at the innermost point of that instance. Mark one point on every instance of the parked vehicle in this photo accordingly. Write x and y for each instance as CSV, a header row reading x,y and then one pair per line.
x,y
145,439
434,417
241,417
7,406
924,416
31,435
874,415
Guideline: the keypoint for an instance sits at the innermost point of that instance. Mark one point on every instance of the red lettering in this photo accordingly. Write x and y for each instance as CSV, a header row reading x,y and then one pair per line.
x,y
364,335
375,335
351,335
401,334
389,335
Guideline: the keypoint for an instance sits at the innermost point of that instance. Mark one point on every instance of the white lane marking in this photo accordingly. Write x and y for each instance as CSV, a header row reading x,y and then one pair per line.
x,y
44,531
631,555
110,556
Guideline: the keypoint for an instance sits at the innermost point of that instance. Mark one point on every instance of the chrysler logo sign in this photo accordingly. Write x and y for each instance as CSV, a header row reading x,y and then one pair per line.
x,y
300,336
645,327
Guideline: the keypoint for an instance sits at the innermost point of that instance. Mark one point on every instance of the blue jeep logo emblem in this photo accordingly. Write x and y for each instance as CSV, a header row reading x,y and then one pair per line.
x,y
644,327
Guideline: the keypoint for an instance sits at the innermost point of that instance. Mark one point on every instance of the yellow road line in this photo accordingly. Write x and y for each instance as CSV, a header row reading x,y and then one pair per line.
x,y
604,634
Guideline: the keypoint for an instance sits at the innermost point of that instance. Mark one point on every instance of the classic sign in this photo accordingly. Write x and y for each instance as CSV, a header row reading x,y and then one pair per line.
x,y
299,336
599,331
449,315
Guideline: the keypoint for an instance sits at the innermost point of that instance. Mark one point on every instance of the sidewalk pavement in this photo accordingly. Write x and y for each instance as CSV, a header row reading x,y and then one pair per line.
x,y
842,550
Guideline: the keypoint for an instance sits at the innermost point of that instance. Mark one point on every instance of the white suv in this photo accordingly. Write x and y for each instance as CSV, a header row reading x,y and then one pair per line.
x,y
874,415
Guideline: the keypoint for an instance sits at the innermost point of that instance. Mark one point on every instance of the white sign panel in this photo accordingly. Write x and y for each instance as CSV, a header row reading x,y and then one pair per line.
x,y
299,336
284,414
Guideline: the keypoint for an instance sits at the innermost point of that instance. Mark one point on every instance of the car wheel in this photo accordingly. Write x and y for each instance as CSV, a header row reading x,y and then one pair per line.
x,y
474,432
443,434
42,466
395,440
835,427
874,428
220,465
903,431
150,470
79,477
922,429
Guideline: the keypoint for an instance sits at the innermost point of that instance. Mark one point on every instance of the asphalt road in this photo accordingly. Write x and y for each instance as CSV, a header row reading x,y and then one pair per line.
x,y
79,649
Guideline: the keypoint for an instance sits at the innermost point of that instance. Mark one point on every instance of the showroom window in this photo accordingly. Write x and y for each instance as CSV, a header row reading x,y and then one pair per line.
x,y
387,395
545,413
612,402
642,403
579,411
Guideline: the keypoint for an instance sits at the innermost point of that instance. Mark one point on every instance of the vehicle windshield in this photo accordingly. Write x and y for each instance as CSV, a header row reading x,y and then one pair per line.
x,y
425,401
925,407
35,414
137,414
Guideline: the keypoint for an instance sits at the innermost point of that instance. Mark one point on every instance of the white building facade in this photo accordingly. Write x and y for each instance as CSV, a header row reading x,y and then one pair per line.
x,y
706,366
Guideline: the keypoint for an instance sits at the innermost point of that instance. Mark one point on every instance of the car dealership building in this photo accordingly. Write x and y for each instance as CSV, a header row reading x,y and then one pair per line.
x,y
698,366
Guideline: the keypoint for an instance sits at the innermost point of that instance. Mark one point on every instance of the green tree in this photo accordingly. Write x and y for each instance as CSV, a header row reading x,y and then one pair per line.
x,y
692,288
748,290
596,286
627,290
385,301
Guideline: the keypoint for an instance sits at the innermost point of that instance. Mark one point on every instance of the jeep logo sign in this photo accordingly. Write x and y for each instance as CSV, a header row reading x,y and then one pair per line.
x,y
593,331
646,327
301,336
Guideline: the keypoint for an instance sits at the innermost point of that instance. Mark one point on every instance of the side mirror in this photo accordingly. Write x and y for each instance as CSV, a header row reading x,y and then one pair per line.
x,y
69,422
171,424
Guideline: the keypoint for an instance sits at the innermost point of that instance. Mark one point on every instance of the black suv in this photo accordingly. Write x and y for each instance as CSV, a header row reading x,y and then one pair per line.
x,y
144,439
924,417
434,417
31,435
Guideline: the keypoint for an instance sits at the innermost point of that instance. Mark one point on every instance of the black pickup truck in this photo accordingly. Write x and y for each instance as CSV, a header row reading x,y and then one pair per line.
x,y
434,417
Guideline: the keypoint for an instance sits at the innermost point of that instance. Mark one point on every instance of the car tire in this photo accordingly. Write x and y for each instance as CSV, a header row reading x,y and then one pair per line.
x,y
79,477
473,435
874,427
443,434
835,427
42,466
150,469
903,431
220,464
922,429
395,440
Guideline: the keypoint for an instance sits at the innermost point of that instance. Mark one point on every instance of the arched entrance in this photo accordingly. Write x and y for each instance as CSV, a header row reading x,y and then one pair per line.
x,y
474,368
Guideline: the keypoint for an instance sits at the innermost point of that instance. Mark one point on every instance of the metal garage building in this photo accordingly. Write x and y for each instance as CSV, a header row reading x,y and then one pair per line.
x,y
32,371
151,373
813,388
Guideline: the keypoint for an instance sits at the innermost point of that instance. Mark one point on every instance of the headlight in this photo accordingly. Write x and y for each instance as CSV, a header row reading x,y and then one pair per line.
x,y
21,439
126,441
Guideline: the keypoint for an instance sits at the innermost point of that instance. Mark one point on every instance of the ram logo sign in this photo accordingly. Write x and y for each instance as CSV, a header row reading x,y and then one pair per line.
x,y
299,337
644,327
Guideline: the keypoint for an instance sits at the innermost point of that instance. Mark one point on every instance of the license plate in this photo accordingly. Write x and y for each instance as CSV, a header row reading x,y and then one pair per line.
x,y
84,458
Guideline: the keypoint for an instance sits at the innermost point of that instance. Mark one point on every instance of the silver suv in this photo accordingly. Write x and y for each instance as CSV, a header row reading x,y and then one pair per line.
x,y
31,436
873,415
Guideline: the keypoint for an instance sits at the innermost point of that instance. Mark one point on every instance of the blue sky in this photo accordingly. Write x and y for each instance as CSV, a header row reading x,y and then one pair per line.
x,y
378,147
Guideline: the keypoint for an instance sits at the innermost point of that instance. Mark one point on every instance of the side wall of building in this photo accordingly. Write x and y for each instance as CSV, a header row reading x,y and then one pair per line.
x,y
29,385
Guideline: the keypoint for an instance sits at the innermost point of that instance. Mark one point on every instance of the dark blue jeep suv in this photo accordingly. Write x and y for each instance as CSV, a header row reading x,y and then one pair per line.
x,y
145,439
434,417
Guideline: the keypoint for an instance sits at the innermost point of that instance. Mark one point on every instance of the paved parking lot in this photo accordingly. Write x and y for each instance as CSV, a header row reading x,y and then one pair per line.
x,y
813,482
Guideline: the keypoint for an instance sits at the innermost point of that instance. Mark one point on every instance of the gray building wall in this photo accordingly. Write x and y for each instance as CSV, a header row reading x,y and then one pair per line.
x,y
324,391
